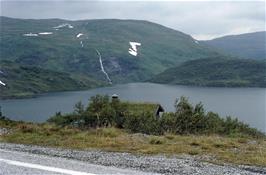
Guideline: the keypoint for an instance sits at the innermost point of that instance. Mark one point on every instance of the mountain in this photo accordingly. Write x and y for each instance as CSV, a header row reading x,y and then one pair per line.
x,y
27,81
219,71
70,47
249,45
43,55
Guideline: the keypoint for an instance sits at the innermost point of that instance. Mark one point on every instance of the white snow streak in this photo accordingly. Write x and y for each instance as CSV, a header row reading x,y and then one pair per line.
x,y
46,33
64,25
2,83
79,35
195,41
30,34
81,43
133,50
102,68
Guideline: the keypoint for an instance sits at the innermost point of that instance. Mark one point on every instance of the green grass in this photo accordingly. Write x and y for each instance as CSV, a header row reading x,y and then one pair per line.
x,y
236,150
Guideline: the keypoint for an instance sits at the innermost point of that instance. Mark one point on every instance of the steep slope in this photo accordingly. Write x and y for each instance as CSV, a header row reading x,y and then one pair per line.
x,y
72,47
217,71
250,45
24,81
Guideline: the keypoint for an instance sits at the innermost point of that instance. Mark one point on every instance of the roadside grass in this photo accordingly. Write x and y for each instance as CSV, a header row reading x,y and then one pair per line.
x,y
217,149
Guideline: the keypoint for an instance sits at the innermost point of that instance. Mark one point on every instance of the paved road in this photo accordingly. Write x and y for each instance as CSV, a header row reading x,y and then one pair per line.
x,y
22,163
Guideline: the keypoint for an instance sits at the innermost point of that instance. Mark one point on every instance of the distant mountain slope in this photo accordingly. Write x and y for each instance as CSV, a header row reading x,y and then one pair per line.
x,y
24,81
63,50
250,45
216,72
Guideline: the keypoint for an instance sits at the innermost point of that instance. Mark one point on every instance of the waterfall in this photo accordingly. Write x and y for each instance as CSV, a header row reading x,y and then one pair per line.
x,y
102,68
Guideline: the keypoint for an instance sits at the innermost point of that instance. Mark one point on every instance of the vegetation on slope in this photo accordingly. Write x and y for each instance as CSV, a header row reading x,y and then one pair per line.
x,y
79,67
161,47
249,45
110,125
217,71
25,81
188,119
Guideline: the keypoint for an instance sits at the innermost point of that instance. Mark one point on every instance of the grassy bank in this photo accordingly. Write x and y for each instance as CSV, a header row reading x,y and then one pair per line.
x,y
114,125
218,149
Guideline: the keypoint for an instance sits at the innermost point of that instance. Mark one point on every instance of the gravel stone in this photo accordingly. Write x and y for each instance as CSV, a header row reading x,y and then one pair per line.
x,y
184,164
4,131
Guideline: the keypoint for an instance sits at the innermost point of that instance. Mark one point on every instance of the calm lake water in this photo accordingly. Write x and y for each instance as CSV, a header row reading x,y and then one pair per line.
x,y
247,104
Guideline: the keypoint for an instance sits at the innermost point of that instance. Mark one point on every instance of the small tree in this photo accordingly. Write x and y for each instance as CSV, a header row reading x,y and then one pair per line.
x,y
95,107
1,112
119,112
79,108
168,122
184,114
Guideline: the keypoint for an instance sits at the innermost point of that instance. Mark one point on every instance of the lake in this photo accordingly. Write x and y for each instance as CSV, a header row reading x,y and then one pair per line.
x,y
247,104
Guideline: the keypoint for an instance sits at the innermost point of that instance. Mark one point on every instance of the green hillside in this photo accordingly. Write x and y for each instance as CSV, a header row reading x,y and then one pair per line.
x,y
248,45
25,81
217,71
70,62
160,48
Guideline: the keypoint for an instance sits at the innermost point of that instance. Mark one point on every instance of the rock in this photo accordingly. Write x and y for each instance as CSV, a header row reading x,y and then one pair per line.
x,y
4,131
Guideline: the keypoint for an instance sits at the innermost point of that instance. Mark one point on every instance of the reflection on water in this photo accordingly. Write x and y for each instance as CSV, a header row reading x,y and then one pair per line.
x,y
248,104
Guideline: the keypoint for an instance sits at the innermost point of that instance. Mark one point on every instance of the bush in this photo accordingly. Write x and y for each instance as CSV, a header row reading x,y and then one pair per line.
x,y
156,141
27,128
187,119
143,122
65,120
168,122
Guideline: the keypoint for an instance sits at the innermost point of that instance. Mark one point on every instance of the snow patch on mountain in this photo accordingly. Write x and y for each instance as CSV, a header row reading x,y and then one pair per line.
x,y
195,41
79,35
64,25
133,50
45,33
2,83
81,43
30,34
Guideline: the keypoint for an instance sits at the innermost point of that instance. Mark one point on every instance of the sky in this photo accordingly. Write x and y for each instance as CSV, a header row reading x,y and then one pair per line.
x,y
201,19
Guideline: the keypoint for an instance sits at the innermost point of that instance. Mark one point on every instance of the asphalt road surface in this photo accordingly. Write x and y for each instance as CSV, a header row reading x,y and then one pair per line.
x,y
22,163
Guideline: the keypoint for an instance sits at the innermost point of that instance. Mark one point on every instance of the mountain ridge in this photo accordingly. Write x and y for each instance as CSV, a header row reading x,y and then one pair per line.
x,y
246,45
69,48
161,47
216,72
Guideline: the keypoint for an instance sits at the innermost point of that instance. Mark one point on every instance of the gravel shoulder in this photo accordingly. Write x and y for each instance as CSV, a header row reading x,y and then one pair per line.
x,y
158,164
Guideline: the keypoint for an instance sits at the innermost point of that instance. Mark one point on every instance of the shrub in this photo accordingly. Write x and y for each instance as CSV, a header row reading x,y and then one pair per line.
x,y
27,128
187,119
168,122
156,141
144,123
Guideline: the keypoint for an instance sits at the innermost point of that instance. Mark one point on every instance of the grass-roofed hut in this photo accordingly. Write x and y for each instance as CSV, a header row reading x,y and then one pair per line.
x,y
141,107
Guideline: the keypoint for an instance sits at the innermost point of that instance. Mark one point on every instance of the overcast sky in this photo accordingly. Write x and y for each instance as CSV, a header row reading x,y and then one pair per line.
x,y
202,20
